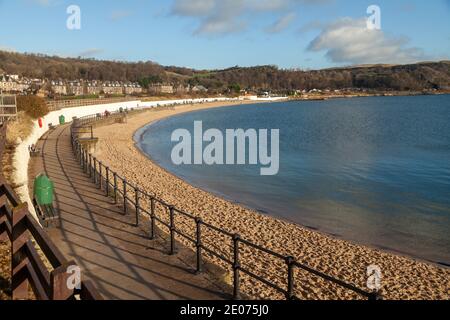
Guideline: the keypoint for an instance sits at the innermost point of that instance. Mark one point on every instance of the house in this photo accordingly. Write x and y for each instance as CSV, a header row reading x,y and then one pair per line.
x,y
161,88
180,89
199,89
93,88
75,88
14,84
59,87
7,84
112,88
132,88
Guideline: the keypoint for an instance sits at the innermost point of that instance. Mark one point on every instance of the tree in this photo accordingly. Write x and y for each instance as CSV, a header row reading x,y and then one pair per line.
x,y
34,106
235,87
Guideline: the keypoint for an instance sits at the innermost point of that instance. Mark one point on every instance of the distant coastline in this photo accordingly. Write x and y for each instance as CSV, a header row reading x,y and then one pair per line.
x,y
328,96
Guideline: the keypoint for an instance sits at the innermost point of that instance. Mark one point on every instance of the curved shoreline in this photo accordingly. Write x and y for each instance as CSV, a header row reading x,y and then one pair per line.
x,y
137,138
332,255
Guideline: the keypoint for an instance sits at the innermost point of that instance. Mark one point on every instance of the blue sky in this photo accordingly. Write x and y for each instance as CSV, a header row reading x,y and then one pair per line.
x,y
308,34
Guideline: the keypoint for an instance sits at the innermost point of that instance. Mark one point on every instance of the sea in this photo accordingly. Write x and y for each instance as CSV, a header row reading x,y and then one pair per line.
x,y
373,171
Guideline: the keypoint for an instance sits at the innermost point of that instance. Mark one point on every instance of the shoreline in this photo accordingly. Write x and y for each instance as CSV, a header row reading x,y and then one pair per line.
x,y
286,220
359,256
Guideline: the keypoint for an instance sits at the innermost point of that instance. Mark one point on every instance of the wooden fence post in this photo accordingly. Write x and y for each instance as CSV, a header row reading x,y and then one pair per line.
x,y
19,279
59,285
3,202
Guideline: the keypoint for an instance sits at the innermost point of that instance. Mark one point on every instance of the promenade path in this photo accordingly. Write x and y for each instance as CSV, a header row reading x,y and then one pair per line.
x,y
118,257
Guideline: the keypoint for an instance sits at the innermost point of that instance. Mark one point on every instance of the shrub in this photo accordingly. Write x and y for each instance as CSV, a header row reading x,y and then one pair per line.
x,y
34,106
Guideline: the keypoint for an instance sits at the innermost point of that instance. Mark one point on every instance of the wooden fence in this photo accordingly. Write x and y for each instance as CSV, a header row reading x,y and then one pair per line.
x,y
8,107
55,105
48,276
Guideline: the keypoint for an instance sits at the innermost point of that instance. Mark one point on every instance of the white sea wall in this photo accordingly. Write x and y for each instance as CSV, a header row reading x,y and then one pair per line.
x,y
22,156
154,104
266,99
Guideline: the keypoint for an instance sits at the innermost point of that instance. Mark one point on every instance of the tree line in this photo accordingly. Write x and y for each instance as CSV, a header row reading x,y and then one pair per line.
x,y
413,77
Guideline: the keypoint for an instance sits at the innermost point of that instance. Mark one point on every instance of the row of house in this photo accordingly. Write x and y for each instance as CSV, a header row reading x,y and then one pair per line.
x,y
19,85
79,88
161,88
15,84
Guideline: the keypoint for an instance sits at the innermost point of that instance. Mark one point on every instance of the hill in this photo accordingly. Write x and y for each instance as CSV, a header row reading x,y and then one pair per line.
x,y
413,77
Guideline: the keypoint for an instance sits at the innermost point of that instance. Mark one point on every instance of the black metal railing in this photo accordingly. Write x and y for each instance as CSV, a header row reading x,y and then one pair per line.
x,y
164,215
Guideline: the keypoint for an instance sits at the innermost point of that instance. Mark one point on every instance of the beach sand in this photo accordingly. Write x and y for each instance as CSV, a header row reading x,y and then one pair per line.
x,y
402,277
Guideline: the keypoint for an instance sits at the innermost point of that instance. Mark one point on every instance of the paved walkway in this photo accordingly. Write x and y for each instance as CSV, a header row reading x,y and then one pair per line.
x,y
121,261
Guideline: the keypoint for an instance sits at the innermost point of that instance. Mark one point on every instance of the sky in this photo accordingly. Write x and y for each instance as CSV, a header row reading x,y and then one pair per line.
x,y
215,34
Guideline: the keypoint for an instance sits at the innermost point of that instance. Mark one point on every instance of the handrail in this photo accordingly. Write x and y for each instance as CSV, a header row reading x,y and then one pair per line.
x,y
28,268
111,181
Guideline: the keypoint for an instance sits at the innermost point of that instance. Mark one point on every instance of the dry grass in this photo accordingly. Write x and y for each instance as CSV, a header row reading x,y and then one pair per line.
x,y
21,128
18,129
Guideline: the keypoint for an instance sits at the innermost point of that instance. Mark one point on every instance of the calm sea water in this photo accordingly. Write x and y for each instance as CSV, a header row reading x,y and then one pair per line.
x,y
375,171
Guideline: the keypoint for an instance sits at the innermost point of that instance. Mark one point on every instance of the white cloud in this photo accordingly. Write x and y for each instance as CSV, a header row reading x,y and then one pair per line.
x,y
311,26
193,8
90,53
350,41
225,16
281,24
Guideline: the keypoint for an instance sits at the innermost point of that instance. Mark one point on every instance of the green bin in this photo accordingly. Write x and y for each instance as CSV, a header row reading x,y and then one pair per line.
x,y
43,190
62,120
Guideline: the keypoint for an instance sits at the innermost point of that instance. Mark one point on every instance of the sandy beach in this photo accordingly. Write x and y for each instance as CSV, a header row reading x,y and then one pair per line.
x,y
402,277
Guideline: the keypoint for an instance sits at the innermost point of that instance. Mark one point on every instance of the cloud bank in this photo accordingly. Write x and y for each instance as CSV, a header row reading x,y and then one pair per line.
x,y
350,41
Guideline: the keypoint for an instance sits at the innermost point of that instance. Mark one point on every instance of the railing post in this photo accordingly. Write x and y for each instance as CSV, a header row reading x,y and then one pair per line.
x,y
172,230
124,196
107,181
199,222
375,296
100,175
236,267
86,158
136,203
95,170
82,158
290,279
90,165
115,187
152,219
